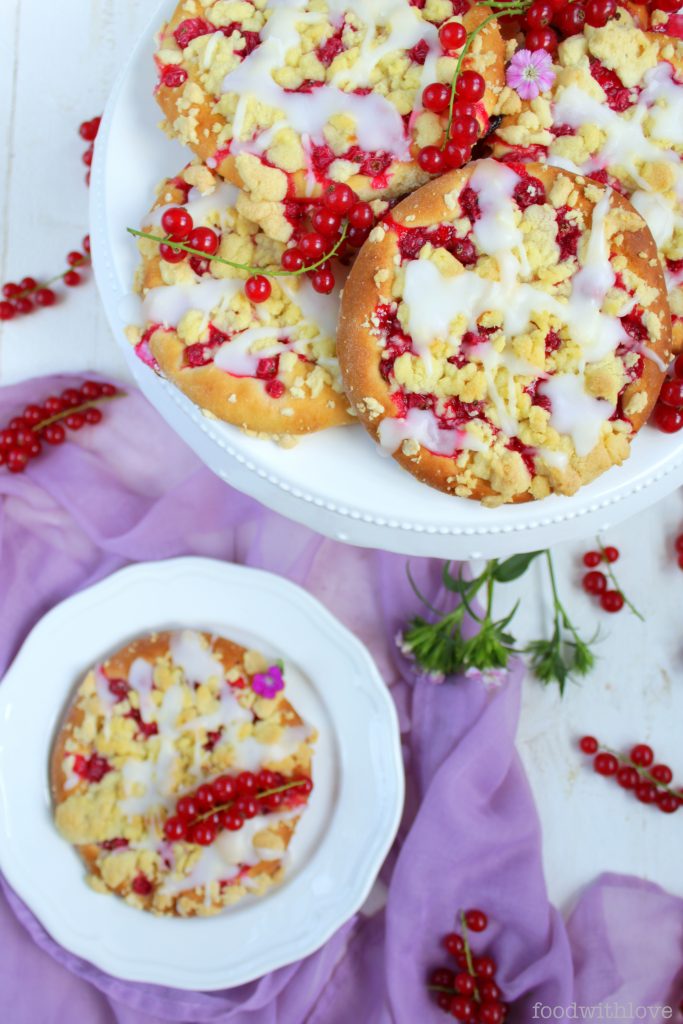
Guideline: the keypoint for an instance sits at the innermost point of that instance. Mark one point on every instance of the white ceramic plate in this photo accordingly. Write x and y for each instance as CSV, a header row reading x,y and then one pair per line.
x,y
341,841
335,482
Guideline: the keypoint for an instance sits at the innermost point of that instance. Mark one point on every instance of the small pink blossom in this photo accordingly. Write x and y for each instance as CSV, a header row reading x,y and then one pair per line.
x,y
491,678
530,72
268,684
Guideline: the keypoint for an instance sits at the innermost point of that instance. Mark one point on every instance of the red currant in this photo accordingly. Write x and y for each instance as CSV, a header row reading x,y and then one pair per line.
x,y
662,773
246,784
453,943
28,284
489,990
339,198
462,1008
177,222
33,414
612,601
90,389
72,279
312,246
470,86
356,236
292,260
204,240
588,744
171,255
45,297
54,434
203,833
642,755
88,130
23,305
599,12
326,222
611,554
667,802
539,14
17,460
224,789
605,764
484,966
7,311
187,808
75,420
173,76
452,36
678,366
442,976
570,19
464,130
11,290
627,777
175,828
323,281
205,797
672,393
75,259
246,806
258,288
592,558
436,97
86,244
594,582
646,792
668,420
491,1013
455,155
476,920
141,885
464,984
107,389
361,216
431,160
232,821
541,39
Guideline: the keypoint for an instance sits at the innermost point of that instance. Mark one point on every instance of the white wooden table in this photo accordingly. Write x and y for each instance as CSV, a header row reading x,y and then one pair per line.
x,y
57,63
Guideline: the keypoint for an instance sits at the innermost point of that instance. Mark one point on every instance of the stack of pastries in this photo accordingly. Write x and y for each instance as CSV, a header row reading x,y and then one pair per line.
x,y
378,225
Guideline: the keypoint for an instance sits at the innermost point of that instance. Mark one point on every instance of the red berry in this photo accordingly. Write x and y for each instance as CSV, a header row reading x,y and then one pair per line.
x,y
312,246
489,990
28,284
605,764
588,744
455,155
491,1013
232,821
292,260
204,240
141,885
627,777
611,554
612,601
443,1000
361,216
70,398
442,976
266,779
541,39
187,808
246,806
672,393
54,434
304,786
667,802
476,920
258,288
18,423
452,36
668,420
175,828
173,76
8,438
7,311
323,281
431,160
464,983
87,157
23,305
90,389
453,943
88,130
484,966
678,366
224,789
204,833
86,244
356,236
594,582
539,14
272,802
17,460
107,389
592,558
645,792
53,405
570,19
75,420
74,259
246,784
171,255
339,198
177,222
72,278
205,797
662,773
45,297
464,130
326,222
33,414
599,12
10,290
462,1008
436,97
470,86
642,755
33,447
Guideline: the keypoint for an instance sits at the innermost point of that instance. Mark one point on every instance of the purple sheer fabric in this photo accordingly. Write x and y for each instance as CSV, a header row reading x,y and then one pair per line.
x,y
131,491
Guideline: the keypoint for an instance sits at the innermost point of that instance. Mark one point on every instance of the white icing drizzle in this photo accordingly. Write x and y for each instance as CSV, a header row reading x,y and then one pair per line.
x,y
201,207
421,425
236,357
378,123
574,411
141,679
168,304
189,651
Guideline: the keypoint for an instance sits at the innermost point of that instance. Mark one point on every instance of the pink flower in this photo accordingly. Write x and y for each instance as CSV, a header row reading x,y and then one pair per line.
x,y
267,684
530,72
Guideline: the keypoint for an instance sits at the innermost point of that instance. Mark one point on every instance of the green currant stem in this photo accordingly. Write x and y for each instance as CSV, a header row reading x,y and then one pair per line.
x,y
267,792
76,408
615,581
643,772
511,8
468,953
561,617
266,271
441,988
53,280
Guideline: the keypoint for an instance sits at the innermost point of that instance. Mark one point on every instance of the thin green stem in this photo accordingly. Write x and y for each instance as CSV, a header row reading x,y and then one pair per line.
x,y
267,792
76,408
85,262
247,268
643,772
615,581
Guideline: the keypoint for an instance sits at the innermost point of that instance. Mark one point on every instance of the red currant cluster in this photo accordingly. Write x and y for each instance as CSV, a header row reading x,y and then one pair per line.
x,y
597,583
22,439
649,782
470,992
340,221
28,295
88,131
229,801
548,20
464,127
668,412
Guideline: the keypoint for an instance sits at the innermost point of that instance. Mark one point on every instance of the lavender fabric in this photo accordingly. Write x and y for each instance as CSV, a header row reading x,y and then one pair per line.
x,y
131,491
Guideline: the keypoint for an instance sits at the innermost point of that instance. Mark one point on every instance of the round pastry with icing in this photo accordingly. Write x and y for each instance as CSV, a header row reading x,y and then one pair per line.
x,y
150,739
282,97
267,367
614,113
505,331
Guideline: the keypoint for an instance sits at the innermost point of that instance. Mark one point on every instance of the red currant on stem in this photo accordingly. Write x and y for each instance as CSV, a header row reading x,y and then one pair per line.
x,y
642,755
452,36
570,18
464,130
455,155
171,255
606,764
470,85
203,240
612,601
292,260
431,159
436,97
668,420
476,920
177,222
258,288
599,12
339,198
592,558
672,392
72,279
453,943
312,246
326,222
611,554
541,39
462,1008
322,281
539,14
627,777
588,744
594,582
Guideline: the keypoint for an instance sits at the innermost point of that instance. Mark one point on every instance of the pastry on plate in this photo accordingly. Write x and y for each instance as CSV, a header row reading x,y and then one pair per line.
x,y
505,332
284,97
180,773
269,367
615,113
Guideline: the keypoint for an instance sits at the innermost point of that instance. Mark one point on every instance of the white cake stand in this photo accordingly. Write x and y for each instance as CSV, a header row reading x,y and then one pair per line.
x,y
336,482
